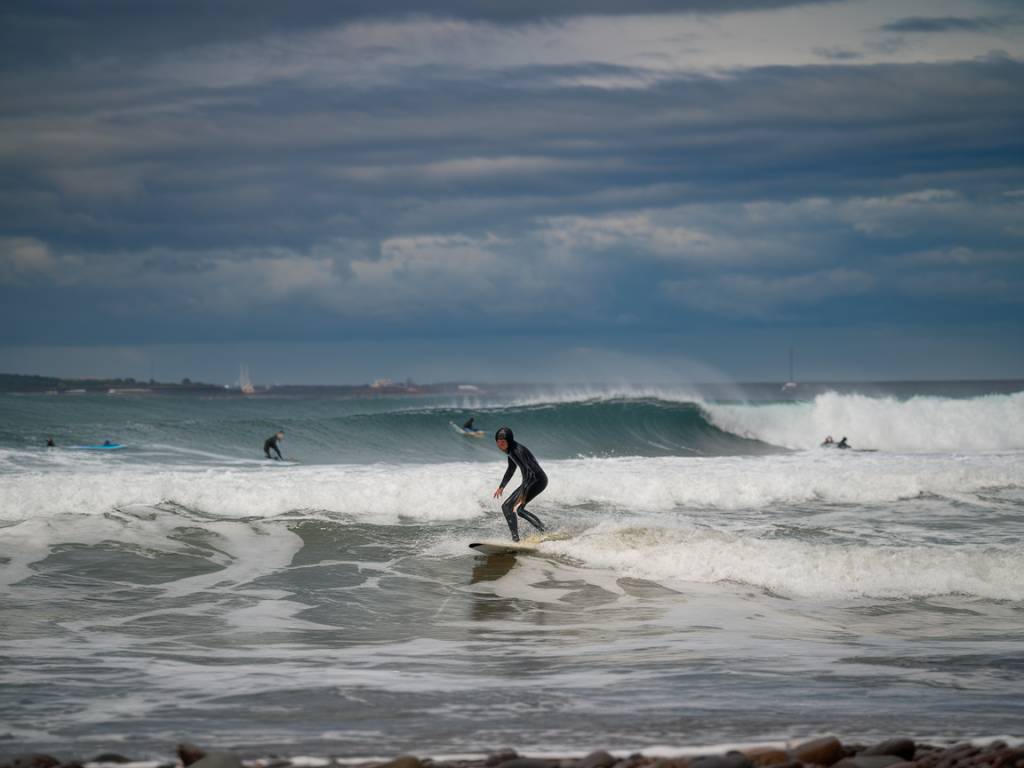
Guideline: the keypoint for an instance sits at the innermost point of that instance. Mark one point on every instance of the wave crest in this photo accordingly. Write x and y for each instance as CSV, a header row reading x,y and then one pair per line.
x,y
919,424
800,568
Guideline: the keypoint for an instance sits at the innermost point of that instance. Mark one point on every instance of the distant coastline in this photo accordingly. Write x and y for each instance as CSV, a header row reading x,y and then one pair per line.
x,y
25,384
49,385
765,391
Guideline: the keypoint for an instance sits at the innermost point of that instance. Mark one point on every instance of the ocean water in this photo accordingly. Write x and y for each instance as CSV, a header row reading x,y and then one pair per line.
x,y
711,575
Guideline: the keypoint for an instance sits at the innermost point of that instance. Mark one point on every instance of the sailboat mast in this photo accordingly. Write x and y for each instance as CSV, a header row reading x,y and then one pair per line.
x,y
790,384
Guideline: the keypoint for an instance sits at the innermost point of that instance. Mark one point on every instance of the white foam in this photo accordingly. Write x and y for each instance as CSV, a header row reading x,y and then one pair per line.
x,y
244,549
596,393
453,491
925,424
677,556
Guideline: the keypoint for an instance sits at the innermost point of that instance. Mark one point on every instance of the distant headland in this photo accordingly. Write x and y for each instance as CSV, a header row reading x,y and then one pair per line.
x,y
50,385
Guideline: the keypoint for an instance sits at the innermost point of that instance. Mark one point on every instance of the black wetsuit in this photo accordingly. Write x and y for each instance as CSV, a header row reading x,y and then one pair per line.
x,y
534,482
271,442
469,425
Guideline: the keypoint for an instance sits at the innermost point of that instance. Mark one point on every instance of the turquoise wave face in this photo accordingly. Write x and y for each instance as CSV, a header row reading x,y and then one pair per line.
x,y
369,431
594,428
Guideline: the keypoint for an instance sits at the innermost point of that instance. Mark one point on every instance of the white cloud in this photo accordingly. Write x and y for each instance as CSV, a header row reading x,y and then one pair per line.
x,y
903,214
753,260
460,169
638,51
25,258
406,276
416,273
409,275
640,233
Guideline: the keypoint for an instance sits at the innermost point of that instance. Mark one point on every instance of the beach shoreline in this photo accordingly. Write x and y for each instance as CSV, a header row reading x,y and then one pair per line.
x,y
827,751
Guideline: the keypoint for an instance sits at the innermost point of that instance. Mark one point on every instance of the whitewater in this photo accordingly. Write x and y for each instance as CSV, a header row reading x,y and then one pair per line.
x,y
710,573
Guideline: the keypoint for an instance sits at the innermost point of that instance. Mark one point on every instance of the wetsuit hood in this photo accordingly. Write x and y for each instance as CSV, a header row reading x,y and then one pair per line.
x,y
504,433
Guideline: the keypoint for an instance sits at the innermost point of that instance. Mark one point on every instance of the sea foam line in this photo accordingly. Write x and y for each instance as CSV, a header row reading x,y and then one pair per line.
x,y
453,491
676,556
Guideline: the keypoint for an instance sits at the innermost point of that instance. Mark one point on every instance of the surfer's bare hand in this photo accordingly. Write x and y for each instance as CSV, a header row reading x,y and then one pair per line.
x,y
498,491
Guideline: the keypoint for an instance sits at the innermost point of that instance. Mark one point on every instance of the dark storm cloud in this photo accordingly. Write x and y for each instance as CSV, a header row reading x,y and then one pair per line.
x,y
292,165
950,24
295,188
47,31
838,54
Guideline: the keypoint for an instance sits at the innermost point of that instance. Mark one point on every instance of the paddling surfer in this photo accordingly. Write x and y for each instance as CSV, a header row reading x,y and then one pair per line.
x,y
534,481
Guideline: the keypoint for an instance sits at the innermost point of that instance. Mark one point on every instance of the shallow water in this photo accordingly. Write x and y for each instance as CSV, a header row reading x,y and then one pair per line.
x,y
708,579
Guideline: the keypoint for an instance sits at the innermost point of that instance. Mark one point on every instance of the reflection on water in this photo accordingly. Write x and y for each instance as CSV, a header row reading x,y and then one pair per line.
x,y
487,606
491,567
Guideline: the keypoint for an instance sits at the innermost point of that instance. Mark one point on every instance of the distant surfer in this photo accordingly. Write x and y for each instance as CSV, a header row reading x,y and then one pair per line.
x,y
50,443
271,442
829,442
534,481
842,444
468,426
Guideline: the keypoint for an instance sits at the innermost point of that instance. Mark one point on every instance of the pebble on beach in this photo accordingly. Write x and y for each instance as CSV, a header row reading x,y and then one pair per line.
x,y
828,752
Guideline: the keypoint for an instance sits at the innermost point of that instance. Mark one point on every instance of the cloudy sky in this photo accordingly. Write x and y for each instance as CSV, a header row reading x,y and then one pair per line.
x,y
330,192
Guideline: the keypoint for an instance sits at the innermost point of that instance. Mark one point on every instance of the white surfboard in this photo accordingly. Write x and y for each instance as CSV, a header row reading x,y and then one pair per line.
x,y
467,432
500,547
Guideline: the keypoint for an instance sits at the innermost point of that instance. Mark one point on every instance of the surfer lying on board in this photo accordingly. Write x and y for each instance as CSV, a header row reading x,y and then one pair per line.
x,y
534,482
271,442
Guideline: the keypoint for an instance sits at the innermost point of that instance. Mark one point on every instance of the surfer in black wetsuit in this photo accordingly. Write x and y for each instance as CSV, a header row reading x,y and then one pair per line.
x,y
842,444
534,482
468,426
50,443
271,442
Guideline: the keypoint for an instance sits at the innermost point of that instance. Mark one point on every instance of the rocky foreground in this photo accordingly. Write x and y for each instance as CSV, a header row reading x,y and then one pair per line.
x,y
827,751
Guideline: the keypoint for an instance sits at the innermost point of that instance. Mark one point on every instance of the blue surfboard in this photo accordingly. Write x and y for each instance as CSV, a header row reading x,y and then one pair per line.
x,y
106,447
